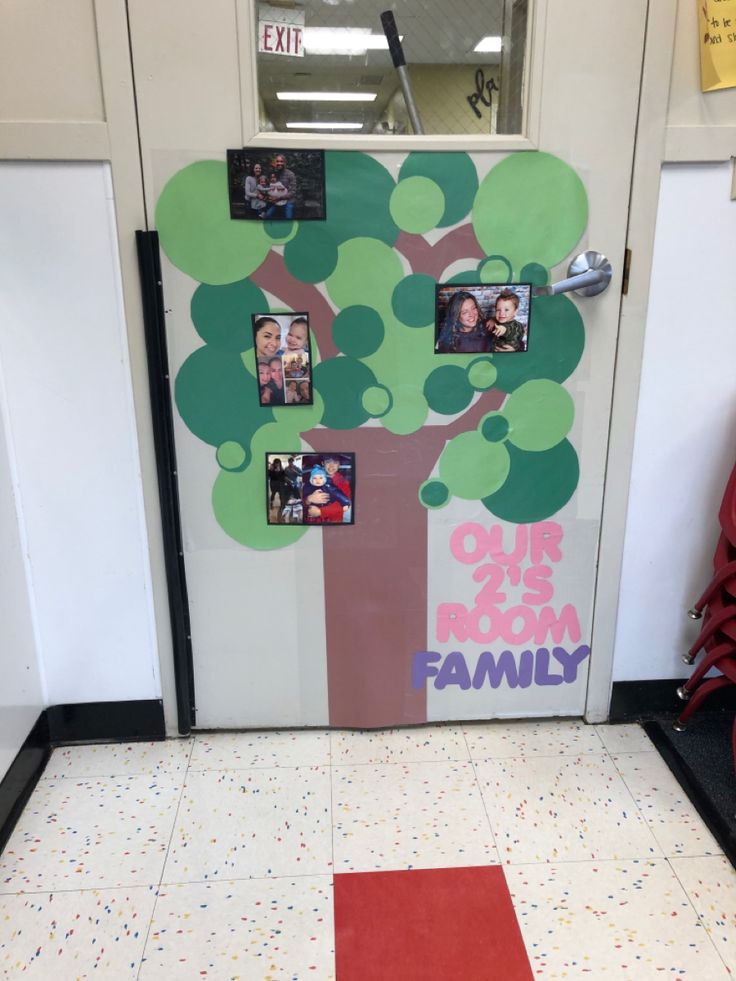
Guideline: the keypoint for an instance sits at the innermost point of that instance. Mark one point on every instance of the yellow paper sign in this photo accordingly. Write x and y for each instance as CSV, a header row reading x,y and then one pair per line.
x,y
717,24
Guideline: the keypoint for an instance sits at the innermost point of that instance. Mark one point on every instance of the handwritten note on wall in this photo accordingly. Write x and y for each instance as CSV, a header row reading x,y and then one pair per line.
x,y
717,27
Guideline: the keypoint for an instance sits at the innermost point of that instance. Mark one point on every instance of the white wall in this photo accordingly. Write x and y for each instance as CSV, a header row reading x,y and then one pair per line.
x,y
685,442
21,692
63,352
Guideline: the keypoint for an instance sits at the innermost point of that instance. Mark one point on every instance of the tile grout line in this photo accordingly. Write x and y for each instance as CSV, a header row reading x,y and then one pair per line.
x,y
163,864
482,798
700,919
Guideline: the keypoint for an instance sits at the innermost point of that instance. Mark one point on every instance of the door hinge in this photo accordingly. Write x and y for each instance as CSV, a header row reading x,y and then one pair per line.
x,y
627,270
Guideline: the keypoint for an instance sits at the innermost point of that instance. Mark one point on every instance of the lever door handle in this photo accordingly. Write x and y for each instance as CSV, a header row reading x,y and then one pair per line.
x,y
588,275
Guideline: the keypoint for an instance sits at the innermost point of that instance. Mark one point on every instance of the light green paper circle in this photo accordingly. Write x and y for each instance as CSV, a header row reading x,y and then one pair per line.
x,y
366,275
196,231
408,413
239,504
531,207
472,467
377,400
417,204
494,270
301,417
231,455
540,414
482,374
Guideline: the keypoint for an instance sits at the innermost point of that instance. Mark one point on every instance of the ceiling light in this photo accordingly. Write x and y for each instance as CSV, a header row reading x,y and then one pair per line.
x,y
324,125
489,43
342,40
326,96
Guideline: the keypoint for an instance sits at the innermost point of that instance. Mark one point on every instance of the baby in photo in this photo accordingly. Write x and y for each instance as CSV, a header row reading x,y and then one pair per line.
x,y
319,481
297,335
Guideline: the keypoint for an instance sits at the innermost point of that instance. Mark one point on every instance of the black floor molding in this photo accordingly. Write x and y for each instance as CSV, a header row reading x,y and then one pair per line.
x,y
702,761
64,725
633,701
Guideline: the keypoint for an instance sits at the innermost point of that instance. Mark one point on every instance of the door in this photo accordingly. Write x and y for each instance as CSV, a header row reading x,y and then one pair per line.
x,y
462,587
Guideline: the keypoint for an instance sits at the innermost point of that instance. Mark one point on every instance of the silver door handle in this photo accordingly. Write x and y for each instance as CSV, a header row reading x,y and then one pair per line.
x,y
588,275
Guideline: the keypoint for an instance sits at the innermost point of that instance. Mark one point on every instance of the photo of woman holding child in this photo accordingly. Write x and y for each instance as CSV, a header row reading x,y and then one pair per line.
x,y
482,319
283,358
311,488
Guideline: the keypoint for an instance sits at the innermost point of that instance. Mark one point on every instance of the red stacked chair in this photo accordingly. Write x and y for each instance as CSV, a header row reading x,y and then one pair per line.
x,y
718,607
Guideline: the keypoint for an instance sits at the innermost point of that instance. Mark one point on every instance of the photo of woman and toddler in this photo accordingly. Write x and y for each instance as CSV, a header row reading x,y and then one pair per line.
x,y
283,358
485,319
310,488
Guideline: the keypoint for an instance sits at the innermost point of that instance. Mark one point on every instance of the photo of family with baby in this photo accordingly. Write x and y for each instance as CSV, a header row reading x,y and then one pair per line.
x,y
271,186
283,358
310,488
491,318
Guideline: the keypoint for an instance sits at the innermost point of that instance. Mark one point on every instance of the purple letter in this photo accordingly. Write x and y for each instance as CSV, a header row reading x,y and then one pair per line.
x,y
541,673
570,662
421,667
454,671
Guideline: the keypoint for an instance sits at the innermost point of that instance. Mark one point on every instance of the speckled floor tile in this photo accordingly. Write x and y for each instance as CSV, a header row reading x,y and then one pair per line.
x,y
549,737
242,750
421,744
625,739
628,921
119,759
74,935
673,820
711,885
571,808
85,834
409,815
250,929
238,824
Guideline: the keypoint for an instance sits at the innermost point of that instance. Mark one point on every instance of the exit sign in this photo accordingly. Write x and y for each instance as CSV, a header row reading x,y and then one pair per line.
x,y
280,31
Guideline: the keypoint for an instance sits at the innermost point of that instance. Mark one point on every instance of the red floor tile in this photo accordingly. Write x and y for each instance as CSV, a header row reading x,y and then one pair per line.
x,y
427,925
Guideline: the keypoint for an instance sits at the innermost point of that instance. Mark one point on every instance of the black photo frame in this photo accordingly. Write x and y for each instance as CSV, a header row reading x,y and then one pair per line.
x,y
283,350
294,191
295,482
465,327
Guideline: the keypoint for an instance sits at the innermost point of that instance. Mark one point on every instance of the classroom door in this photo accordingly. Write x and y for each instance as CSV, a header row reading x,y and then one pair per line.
x,y
463,586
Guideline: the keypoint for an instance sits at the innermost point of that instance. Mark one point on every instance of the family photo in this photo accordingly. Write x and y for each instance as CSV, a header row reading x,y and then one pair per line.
x,y
310,488
489,318
283,358
270,185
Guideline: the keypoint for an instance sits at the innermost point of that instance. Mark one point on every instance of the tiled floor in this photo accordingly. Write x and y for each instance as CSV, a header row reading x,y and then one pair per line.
x,y
213,857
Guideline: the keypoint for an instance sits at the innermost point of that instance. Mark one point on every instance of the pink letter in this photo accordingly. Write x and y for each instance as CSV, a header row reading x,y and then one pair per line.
x,y
556,626
457,542
451,621
526,632
546,537
475,630
495,537
536,578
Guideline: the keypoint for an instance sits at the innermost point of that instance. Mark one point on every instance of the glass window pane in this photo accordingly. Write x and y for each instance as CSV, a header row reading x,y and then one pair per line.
x,y
324,65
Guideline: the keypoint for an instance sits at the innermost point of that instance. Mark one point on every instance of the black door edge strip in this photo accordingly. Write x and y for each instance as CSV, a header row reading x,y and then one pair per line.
x,y
149,264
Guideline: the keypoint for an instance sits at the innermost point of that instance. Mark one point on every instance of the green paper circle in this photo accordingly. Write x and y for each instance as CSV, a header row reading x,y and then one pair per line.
x,y
434,494
556,343
239,505
413,300
454,173
472,467
311,255
408,412
341,383
538,485
280,231
540,414
532,207
377,401
196,231
494,427
358,331
367,273
535,274
231,455
447,390
359,190
417,204
495,269
482,374
222,314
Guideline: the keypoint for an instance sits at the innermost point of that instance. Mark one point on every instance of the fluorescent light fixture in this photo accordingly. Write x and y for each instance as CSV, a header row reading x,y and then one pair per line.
x,y
326,96
342,40
324,125
489,43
